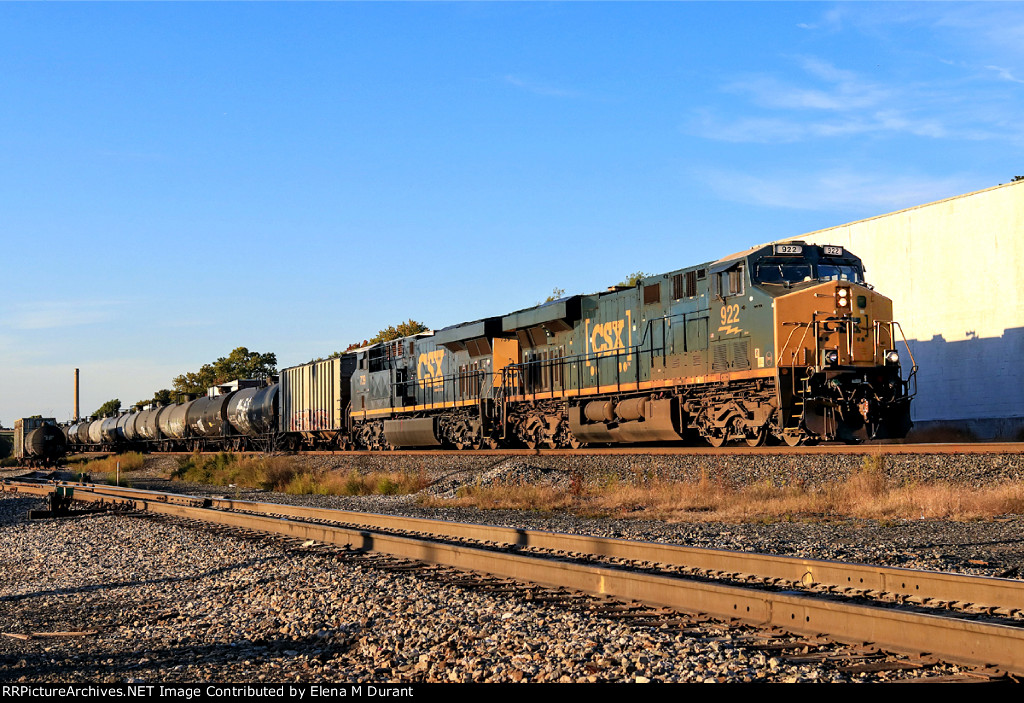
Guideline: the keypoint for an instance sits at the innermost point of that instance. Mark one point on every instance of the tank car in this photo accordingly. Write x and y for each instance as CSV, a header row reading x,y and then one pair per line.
x,y
38,441
235,420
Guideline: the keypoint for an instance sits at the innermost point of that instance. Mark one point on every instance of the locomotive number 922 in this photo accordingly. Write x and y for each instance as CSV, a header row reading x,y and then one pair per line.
x,y
783,342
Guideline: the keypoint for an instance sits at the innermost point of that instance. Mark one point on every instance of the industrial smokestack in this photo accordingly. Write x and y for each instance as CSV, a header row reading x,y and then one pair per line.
x,y
76,395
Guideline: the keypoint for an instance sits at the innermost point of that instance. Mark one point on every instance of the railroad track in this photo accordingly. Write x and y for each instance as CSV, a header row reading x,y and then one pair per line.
x,y
927,616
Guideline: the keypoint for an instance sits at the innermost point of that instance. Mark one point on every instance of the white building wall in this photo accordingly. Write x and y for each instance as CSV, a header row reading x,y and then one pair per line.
x,y
955,272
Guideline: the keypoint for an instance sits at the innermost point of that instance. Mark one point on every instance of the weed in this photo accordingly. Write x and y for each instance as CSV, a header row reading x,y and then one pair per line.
x,y
866,494
281,474
132,461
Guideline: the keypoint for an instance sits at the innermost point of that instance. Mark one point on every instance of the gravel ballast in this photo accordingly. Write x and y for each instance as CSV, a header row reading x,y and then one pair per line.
x,y
172,603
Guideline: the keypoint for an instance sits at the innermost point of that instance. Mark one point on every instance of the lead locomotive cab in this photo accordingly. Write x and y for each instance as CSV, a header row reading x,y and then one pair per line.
x,y
839,369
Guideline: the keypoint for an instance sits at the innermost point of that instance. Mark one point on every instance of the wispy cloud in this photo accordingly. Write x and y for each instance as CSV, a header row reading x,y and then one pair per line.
x,y
40,315
831,190
784,130
826,101
1005,74
541,88
830,21
838,89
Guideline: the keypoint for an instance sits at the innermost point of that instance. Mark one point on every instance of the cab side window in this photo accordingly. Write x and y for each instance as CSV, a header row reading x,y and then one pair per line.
x,y
730,281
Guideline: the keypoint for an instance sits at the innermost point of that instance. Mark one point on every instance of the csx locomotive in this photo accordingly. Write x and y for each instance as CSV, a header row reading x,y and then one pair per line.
x,y
783,342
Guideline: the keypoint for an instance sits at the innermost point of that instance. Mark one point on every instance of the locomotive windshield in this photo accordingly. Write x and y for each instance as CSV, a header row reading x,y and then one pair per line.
x,y
789,271
768,271
840,272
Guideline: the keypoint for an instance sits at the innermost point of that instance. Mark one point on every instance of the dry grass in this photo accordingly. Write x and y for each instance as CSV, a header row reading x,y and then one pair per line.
x,y
281,474
132,461
868,493
110,470
337,483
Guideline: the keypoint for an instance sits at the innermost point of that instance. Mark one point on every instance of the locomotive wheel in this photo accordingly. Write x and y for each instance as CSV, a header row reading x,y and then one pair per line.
x,y
793,440
758,440
716,440
533,432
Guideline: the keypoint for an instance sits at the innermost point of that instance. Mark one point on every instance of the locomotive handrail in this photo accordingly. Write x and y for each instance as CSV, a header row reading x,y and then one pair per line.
x,y
634,350
913,364
796,325
431,384
515,376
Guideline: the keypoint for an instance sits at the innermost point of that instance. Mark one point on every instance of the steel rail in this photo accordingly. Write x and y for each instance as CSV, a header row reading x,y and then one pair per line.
x,y
958,640
980,591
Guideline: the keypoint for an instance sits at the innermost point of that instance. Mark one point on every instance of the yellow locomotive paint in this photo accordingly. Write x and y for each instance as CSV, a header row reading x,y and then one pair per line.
x,y
601,390
428,369
847,329
730,316
506,352
379,412
609,338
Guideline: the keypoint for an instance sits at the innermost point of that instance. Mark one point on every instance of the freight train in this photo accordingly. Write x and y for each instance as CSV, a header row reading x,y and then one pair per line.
x,y
781,343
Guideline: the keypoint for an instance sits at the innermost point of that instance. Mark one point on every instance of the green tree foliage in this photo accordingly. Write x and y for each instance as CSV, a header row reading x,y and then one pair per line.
x,y
164,396
556,293
111,407
632,279
240,363
404,329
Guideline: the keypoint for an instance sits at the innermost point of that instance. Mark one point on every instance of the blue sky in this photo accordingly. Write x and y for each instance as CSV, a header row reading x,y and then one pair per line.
x,y
179,179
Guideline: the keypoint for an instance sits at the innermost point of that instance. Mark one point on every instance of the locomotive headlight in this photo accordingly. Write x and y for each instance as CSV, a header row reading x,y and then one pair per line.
x,y
842,292
832,357
843,302
892,357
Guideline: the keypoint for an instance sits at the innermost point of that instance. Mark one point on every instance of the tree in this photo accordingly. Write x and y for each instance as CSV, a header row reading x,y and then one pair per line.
x,y
164,396
405,329
240,363
556,293
111,407
632,279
